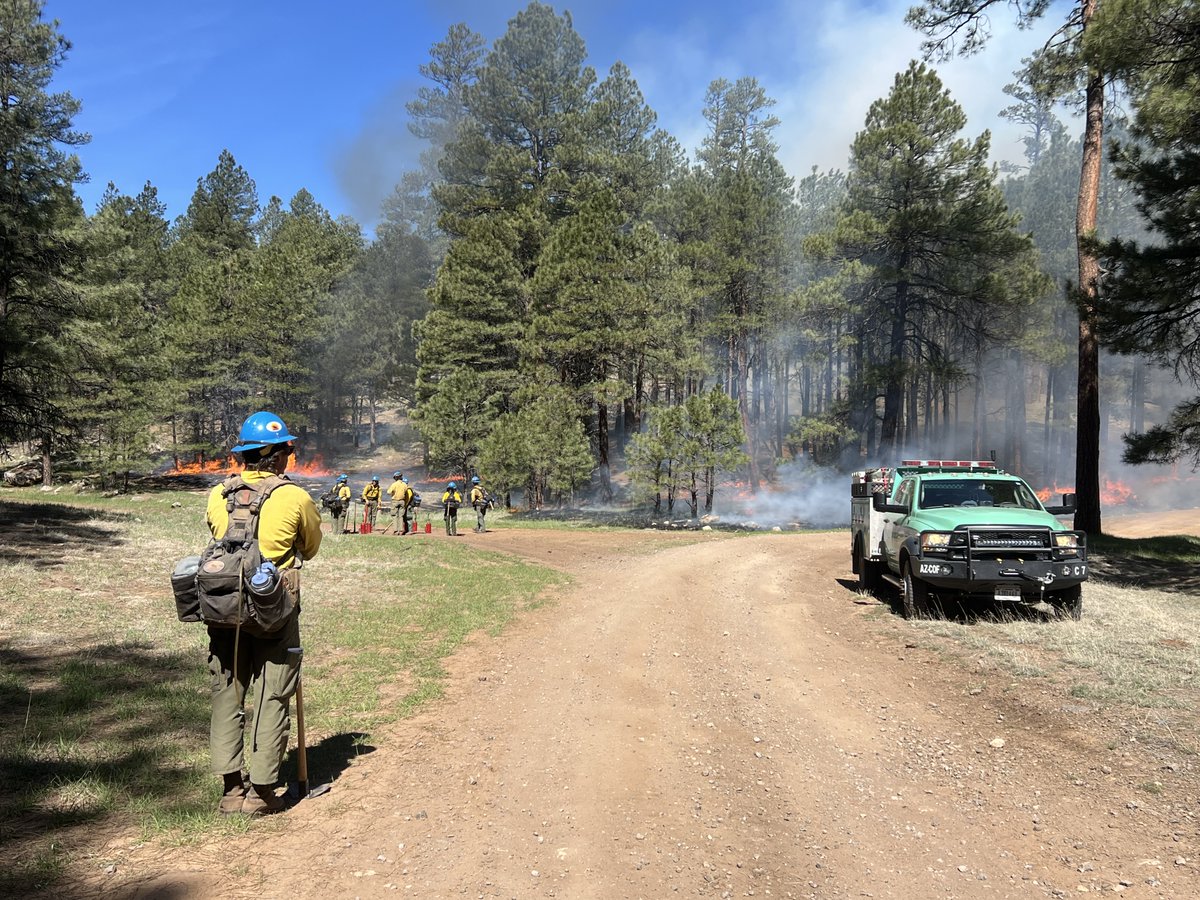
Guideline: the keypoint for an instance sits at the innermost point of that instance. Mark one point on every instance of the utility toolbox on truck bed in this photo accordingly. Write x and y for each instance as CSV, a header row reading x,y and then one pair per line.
x,y
963,530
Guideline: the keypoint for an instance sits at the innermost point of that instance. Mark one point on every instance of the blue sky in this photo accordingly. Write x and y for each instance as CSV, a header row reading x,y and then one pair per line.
x,y
309,94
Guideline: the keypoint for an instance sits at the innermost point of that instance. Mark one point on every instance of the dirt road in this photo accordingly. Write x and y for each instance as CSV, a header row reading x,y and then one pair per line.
x,y
706,715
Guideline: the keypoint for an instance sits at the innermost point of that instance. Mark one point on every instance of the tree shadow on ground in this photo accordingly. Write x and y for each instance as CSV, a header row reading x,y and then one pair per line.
x,y
82,735
40,533
89,736
1143,572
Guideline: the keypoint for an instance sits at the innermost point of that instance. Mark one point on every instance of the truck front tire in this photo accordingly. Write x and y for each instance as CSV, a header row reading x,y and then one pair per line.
x,y
1069,603
914,595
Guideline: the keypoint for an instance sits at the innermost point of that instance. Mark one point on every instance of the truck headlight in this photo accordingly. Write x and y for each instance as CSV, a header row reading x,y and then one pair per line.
x,y
1066,539
935,540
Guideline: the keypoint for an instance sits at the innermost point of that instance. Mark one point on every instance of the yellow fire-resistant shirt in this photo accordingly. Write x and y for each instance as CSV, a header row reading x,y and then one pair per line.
x,y
400,492
371,492
344,493
288,522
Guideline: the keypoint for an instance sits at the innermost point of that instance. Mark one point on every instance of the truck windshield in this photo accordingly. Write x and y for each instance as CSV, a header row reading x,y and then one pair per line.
x,y
962,492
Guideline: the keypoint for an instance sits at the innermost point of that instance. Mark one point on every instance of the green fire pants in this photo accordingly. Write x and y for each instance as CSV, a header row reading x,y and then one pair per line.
x,y
266,673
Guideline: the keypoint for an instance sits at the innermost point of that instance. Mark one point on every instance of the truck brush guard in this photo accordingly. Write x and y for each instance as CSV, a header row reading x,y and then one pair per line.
x,y
996,543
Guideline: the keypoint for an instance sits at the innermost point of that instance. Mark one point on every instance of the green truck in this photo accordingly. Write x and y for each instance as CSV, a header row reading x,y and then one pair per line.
x,y
966,531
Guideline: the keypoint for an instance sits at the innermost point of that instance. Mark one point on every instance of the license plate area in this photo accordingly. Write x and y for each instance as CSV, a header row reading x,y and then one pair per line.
x,y
1008,592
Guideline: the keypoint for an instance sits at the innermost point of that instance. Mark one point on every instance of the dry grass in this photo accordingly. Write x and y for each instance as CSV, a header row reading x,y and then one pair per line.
x,y
1135,653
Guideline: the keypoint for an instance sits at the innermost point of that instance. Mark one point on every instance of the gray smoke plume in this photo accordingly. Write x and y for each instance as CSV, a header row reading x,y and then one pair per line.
x,y
369,165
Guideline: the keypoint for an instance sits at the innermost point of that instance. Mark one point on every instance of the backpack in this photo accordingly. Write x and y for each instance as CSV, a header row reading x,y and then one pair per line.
x,y
332,502
226,565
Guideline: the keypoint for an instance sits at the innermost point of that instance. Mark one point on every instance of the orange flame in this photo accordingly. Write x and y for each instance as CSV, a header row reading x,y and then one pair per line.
x,y
1045,494
225,466
1112,493
313,468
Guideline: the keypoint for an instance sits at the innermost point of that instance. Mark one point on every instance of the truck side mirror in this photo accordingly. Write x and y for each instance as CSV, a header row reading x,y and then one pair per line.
x,y
1068,506
880,504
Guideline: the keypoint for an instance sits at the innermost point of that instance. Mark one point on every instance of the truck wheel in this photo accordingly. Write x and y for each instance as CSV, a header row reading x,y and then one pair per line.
x,y
914,595
868,572
1069,603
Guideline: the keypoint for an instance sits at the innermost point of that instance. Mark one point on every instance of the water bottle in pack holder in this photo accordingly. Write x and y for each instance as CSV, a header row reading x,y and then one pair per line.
x,y
271,603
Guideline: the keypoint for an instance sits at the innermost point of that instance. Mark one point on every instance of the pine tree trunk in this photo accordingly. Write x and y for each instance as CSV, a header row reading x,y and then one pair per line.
x,y
602,451
911,433
1087,441
1137,398
1014,433
893,392
977,414
830,358
946,411
1047,469
787,397
744,410
374,424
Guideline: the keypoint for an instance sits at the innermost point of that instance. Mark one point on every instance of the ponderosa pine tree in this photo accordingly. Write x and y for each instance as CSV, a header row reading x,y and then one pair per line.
x,y
119,396
1061,69
368,348
924,214
602,310
506,174
39,215
1151,298
456,421
817,321
746,241
212,262
540,448
300,259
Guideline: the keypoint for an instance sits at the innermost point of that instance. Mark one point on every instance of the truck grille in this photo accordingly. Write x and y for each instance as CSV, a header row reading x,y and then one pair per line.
x,y
1011,540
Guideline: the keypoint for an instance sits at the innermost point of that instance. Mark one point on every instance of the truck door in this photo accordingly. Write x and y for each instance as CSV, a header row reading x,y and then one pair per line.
x,y
893,530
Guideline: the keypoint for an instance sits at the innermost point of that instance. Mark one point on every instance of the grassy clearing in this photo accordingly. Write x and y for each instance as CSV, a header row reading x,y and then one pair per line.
x,y
104,695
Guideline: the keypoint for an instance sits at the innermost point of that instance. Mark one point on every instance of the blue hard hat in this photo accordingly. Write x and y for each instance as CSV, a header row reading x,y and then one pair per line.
x,y
375,478
343,477
397,474
451,486
474,479
262,429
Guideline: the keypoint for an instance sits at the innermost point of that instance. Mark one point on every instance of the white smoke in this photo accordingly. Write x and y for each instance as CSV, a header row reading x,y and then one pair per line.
x,y
799,495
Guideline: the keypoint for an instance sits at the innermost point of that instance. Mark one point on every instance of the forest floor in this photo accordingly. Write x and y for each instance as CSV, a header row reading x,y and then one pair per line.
x,y
726,716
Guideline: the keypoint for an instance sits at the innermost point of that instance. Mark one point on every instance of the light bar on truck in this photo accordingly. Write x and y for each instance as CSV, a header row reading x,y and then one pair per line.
x,y
951,463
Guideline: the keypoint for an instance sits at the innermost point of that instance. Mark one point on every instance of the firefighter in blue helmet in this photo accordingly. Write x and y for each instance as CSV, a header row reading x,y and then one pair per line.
x,y
371,495
241,660
451,501
342,497
402,496
480,502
